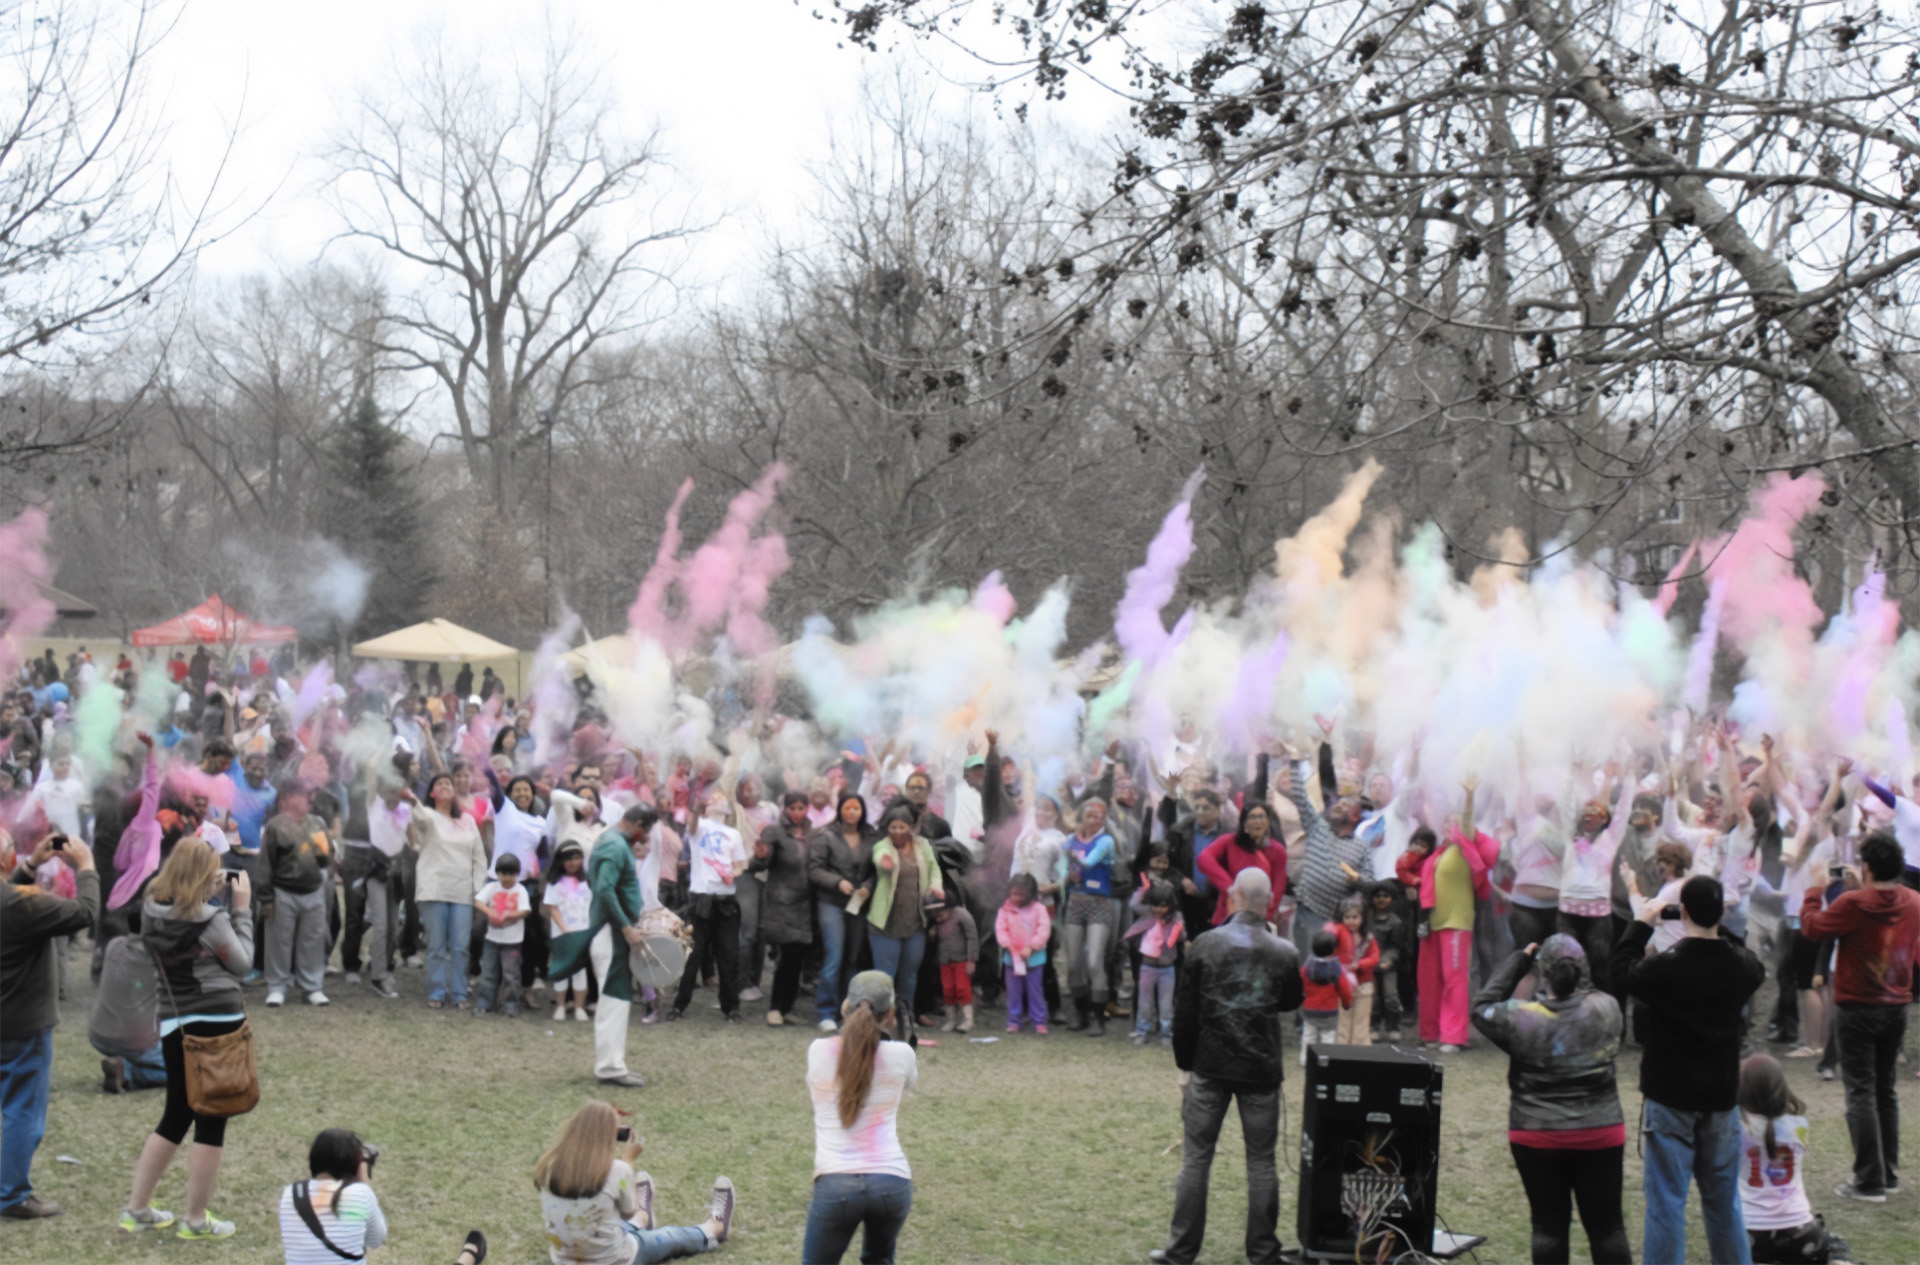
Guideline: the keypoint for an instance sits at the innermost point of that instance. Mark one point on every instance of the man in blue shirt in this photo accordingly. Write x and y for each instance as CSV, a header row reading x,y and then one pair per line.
x,y
253,800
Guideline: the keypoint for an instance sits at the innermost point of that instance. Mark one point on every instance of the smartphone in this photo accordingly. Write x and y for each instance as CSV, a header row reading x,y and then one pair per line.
x,y
1836,871
1670,913
623,1134
233,876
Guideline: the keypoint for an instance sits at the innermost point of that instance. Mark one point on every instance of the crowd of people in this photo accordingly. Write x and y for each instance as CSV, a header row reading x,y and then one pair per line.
x,y
267,818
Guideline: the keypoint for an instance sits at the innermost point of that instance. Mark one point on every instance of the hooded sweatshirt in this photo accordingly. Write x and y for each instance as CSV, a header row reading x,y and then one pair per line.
x,y
1560,1051
1879,934
204,953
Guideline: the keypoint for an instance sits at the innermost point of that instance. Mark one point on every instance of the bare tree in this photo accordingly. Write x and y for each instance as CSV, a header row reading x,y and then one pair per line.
x,y
91,224
525,231
1583,244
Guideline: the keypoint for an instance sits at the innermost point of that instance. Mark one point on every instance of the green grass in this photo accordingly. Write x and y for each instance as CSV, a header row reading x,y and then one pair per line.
x,y
1057,1149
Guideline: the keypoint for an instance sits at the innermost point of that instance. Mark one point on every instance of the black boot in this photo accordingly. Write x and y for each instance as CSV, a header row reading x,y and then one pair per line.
x,y
1081,1007
1099,1028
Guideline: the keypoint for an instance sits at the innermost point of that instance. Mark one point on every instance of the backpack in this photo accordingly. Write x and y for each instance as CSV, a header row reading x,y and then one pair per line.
x,y
126,1020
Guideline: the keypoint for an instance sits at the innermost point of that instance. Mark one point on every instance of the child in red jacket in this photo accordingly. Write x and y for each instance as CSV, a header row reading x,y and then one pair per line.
x,y
1329,992
1359,953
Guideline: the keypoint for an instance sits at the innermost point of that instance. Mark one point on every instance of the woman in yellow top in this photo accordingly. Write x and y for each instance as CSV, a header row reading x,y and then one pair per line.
x,y
1454,876
906,879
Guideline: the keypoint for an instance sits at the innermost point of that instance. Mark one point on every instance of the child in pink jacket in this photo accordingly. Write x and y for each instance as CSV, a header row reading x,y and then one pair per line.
x,y
1021,929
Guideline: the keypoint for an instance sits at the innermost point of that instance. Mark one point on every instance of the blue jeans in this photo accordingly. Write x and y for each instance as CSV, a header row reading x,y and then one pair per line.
x,y
1154,994
1703,1145
900,959
840,936
448,924
844,1202
666,1243
26,1074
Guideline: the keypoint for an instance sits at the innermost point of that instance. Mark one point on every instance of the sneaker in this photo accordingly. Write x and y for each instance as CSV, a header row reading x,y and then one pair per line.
x,y
212,1228
150,1219
652,1016
330,969
1039,1029
752,994
1138,1038
560,1013
276,998
481,1008
318,998
353,977
384,988
538,986
1166,1043
714,1004
721,1208
1826,1073
253,977
1804,1052
32,1208
828,1025
1012,1026
734,1017
510,1011
416,961
582,1015
1451,1049
643,1196
1848,1190
774,1020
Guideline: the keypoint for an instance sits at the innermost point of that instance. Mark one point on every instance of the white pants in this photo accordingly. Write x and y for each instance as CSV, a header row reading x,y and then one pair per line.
x,y
610,1016
1317,1031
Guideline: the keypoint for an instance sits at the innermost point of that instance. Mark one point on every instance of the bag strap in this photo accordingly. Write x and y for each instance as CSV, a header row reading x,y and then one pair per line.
x,y
303,1204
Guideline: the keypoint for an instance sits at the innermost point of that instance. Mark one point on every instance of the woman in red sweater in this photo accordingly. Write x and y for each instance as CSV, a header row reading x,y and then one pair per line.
x,y
1249,847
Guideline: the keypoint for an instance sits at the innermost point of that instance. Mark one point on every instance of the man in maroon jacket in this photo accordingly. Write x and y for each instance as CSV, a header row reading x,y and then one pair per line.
x,y
1878,927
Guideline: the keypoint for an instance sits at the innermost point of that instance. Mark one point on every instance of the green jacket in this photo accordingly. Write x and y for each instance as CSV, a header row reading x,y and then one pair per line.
x,y
882,903
616,904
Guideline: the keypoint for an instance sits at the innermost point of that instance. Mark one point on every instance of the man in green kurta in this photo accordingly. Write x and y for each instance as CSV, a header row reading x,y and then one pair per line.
x,y
612,927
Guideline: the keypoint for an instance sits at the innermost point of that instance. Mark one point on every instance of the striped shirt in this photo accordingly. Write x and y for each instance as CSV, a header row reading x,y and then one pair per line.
x,y
359,1226
1319,883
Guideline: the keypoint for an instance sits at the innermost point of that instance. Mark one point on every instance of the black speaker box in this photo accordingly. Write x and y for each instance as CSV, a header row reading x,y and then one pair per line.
x,y
1369,1151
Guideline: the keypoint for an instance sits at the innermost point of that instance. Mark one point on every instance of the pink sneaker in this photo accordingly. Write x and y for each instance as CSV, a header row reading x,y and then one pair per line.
x,y
1039,1029
1012,1026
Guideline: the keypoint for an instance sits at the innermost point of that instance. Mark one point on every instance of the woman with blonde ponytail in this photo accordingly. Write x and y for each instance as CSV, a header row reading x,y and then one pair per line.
x,y
860,1173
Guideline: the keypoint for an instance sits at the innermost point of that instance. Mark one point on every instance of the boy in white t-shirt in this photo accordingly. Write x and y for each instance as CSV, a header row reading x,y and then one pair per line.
x,y
716,858
504,904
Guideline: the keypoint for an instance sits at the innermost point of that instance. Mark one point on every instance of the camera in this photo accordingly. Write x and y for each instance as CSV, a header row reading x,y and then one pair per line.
x,y
1836,871
232,876
58,843
1669,913
623,1134
369,1152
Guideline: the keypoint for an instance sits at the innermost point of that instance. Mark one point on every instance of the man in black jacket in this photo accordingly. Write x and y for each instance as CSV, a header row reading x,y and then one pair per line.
x,y
32,924
1234,984
1696,993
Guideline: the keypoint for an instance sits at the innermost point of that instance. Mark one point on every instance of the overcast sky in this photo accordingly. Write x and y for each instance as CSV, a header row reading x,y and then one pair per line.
x,y
747,91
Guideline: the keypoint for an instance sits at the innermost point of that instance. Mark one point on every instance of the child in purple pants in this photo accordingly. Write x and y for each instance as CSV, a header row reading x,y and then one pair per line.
x,y
1021,929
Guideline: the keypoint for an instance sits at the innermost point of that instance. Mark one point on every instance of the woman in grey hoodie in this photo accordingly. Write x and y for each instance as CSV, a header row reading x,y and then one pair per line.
x,y
1564,1122
203,949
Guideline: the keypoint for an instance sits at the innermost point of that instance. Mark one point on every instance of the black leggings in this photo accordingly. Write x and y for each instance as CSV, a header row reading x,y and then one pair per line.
x,y
786,977
1554,1178
207,1130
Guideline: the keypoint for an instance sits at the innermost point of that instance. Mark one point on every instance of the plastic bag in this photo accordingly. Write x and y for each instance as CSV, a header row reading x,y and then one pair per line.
x,y
126,1018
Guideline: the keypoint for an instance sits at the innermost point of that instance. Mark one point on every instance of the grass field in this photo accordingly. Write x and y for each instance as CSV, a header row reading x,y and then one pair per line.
x,y
1029,1149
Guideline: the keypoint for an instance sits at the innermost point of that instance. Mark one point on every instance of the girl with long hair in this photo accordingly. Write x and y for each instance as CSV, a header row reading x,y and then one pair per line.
x,y
1781,1225
203,951
599,1211
861,1179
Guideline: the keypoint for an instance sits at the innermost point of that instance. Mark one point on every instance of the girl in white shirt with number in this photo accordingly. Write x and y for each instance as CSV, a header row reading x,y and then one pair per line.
x,y
1781,1224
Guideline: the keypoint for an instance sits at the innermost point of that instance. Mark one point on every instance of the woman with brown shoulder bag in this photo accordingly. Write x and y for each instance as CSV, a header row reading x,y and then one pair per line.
x,y
198,925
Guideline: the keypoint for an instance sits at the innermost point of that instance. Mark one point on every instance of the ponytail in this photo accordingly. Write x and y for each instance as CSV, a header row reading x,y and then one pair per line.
x,y
859,1048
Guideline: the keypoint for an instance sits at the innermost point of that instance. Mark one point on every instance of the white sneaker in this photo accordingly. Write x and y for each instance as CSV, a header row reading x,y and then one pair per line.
x,y
538,986
560,1013
353,977
828,1025
580,1013
276,998
416,960
317,998
752,994
331,970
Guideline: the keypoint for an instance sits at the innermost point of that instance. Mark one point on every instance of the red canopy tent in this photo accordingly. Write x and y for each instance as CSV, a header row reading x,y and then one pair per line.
x,y
212,623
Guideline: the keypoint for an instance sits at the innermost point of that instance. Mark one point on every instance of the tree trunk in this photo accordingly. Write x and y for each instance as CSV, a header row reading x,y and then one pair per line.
x,y
1828,372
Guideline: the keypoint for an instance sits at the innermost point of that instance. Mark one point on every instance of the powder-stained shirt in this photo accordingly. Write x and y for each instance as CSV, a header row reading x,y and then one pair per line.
x,y
1321,883
872,1143
587,1231
1879,934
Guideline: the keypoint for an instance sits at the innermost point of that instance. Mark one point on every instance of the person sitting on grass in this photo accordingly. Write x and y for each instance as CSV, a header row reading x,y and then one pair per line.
x,y
600,1212
1781,1225
335,1215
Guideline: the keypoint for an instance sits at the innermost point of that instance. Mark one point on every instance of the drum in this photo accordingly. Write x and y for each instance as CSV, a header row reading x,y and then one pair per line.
x,y
661,956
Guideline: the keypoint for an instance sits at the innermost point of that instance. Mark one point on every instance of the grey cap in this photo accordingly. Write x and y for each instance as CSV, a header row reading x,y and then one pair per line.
x,y
873,987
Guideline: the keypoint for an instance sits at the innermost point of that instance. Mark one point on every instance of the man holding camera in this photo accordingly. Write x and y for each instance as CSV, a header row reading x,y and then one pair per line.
x,y
1696,994
32,922
1877,924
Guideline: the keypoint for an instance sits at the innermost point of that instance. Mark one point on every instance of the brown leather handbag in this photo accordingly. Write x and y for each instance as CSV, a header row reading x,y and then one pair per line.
x,y
222,1079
